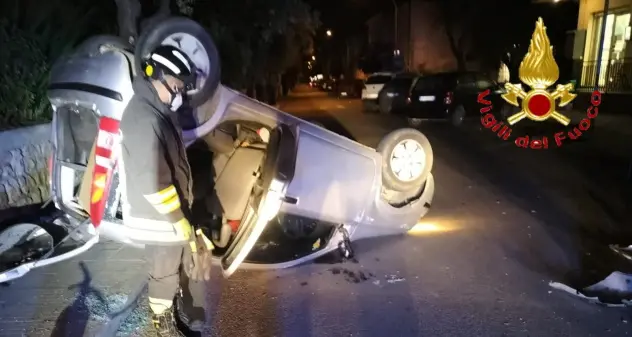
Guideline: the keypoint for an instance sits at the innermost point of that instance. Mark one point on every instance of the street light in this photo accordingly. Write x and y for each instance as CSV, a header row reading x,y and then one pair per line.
x,y
313,58
328,32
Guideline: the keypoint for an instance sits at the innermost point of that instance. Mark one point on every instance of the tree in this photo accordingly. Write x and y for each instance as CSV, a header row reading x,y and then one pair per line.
x,y
258,45
33,34
486,33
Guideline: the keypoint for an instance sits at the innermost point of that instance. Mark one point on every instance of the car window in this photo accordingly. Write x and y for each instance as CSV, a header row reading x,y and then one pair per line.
x,y
401,83
425,84
466,81
483,83
378,79
435,82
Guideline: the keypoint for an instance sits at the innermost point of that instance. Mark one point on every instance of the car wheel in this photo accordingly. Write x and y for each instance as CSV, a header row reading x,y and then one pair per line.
x,y
193,40
384,104
458,115
414,122
406,159
368,106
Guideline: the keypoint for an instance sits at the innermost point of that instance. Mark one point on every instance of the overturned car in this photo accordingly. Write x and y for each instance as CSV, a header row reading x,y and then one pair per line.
x,y
275,191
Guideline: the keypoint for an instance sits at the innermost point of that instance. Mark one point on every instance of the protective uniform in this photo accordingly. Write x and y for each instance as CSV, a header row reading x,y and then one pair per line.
x,y
157,181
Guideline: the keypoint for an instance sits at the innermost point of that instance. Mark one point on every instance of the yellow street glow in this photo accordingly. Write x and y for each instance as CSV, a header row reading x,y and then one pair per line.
x,y
432,227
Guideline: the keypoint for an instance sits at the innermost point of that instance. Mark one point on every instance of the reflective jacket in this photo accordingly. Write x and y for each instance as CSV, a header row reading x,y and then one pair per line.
x,y
155,173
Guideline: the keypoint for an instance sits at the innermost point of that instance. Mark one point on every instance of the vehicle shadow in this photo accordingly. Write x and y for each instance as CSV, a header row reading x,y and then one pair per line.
x,y
73,320
584,234
329,122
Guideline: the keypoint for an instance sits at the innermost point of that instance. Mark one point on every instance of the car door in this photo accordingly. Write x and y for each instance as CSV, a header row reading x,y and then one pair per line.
x,y
277,172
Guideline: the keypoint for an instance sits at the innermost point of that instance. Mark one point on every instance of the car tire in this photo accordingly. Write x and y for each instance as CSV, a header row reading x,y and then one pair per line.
x,y
458,115
384,104
414,122
368,106
170,29
401,140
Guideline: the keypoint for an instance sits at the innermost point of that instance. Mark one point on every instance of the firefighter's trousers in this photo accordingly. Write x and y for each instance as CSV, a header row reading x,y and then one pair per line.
x,y
167,278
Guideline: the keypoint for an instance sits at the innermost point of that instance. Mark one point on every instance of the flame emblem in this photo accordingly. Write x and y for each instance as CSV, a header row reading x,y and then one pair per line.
x,y
539,71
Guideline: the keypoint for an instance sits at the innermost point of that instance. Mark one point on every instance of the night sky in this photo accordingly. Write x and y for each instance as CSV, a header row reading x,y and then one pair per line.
x,y
348,17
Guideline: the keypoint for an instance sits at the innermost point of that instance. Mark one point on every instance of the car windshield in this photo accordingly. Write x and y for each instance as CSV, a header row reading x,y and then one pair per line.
x,y
403,82
378,79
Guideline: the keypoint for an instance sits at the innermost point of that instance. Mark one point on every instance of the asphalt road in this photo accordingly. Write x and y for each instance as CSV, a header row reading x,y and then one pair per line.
x,y
510,220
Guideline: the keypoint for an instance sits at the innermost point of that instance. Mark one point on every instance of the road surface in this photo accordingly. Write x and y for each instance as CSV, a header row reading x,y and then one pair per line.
x,y
504,222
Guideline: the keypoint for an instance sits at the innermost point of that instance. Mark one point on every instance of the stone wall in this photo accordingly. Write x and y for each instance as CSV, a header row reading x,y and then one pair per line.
x,y
24,154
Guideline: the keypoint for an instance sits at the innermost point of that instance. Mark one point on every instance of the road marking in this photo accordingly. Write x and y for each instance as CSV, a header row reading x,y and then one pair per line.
x,y
339,106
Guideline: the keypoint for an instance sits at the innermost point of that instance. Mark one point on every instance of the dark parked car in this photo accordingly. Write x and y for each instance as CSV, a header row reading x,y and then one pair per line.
x,y
394,95
450,96
349,88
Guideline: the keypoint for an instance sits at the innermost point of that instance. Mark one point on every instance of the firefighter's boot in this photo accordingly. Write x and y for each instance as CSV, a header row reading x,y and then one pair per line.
x,y
165,325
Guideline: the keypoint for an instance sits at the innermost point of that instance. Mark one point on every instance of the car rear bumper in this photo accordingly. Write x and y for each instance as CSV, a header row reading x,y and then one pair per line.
x,y
425,113
369,96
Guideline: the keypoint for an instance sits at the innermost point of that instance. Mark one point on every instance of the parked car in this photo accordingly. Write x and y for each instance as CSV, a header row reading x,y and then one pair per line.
x,y
450,96
328,84
372,86
349,88
395,93
255,168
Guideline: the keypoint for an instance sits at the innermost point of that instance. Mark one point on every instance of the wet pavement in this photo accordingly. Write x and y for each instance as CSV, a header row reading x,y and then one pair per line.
x,y
505,222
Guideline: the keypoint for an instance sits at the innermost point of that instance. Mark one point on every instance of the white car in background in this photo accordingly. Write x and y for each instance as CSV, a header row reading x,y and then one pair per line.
x,y
374,83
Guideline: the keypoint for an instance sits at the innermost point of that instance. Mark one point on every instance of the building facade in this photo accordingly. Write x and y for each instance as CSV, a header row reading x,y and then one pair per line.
x,y
615,74
420,36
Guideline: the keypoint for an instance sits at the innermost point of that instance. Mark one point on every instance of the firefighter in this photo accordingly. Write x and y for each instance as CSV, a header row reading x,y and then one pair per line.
x,y
157,180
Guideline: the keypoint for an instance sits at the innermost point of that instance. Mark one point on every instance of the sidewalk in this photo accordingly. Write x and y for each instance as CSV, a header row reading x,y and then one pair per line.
x,y
73,298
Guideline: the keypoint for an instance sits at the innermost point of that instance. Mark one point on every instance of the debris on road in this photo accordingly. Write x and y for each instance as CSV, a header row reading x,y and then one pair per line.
x,y
613,291
394,278
353,276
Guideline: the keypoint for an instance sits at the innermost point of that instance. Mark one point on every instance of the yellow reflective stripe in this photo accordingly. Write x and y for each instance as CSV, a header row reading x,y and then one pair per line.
x,y
162,196
169,205
183,229
193,246
207,242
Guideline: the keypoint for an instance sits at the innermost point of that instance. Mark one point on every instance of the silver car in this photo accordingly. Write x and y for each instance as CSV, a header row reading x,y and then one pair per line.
x,y
274,190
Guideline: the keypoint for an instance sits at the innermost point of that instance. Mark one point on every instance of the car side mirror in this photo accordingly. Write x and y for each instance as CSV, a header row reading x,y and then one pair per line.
x,y
23,243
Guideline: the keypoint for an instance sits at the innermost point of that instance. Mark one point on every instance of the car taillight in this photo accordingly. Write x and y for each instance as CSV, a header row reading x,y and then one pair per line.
x,y
448,97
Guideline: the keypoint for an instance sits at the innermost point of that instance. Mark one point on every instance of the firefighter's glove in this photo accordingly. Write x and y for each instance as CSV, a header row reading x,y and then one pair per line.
x,y
199,268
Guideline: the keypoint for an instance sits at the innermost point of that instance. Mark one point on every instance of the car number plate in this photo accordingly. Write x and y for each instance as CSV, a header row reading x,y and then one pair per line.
x,y
426,98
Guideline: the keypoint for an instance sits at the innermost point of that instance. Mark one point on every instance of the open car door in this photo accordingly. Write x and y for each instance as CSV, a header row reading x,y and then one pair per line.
x,y
277,171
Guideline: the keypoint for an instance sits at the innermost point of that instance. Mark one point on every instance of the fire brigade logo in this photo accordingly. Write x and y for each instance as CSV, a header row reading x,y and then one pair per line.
x,y
539,71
